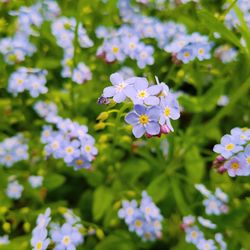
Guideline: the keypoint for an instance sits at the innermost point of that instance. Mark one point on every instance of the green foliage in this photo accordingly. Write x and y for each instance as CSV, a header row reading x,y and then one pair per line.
x,y
124,166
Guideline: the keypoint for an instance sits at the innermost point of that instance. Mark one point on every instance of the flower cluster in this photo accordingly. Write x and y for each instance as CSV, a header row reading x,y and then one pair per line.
x,y
214,203
4,240
144,220
232,19
188,47
14,190
35,181
40,238
65,29
33,80
234,151
16,48
154,105
172,37
47,110
195,236
226,53
70,142
65,237
13,150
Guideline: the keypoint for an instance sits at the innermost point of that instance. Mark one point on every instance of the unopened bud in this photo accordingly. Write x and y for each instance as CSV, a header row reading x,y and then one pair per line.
x,y
26,227
103,116
165,129
6,227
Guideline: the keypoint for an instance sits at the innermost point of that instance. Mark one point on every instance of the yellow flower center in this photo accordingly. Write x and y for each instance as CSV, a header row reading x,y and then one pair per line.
x,y
194,234
115,49
244,129
46,133
144,55
131,45
181,43
87,148
144,119
243,137
20,81
230,146
235,165
138,223
186,54
79,162
66,240
69,150
67,26
201,51
148,210
130,211
142,94
167,111
248,160
8,157
39,245
147,235
120,87
55,145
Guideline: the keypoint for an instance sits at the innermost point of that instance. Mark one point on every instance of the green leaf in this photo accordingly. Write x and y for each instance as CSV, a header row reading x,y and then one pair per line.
x,y
178,195
53,181
158,188
117,241
214,25
194,165
210,99
133,169
103,198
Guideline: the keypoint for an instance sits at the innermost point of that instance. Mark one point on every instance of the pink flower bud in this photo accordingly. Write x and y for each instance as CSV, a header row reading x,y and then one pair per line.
x,y
221,169
165,129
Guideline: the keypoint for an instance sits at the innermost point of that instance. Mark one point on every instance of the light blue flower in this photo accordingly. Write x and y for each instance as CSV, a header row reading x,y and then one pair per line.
x,y
39,240
141,93
4,240
212,205
241,136
67,237
35,181
43,219
128,211
194,235
237,167
149,209
169,110
144,55
228,146
206,245
202,51
206,223
81,73
14,190
187,54
117,91
144,120
221,242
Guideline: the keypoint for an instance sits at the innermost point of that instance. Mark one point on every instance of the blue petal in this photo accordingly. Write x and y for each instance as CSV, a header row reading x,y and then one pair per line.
x,y
109,91
140,109
138,131
141,83
116,78
131,118
153,128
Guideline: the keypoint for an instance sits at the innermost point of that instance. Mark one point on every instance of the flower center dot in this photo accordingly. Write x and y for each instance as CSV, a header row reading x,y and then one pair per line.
x,y
143,119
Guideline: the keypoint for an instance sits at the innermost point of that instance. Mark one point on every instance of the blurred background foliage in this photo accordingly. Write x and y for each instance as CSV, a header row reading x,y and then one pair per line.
x,y
125,166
